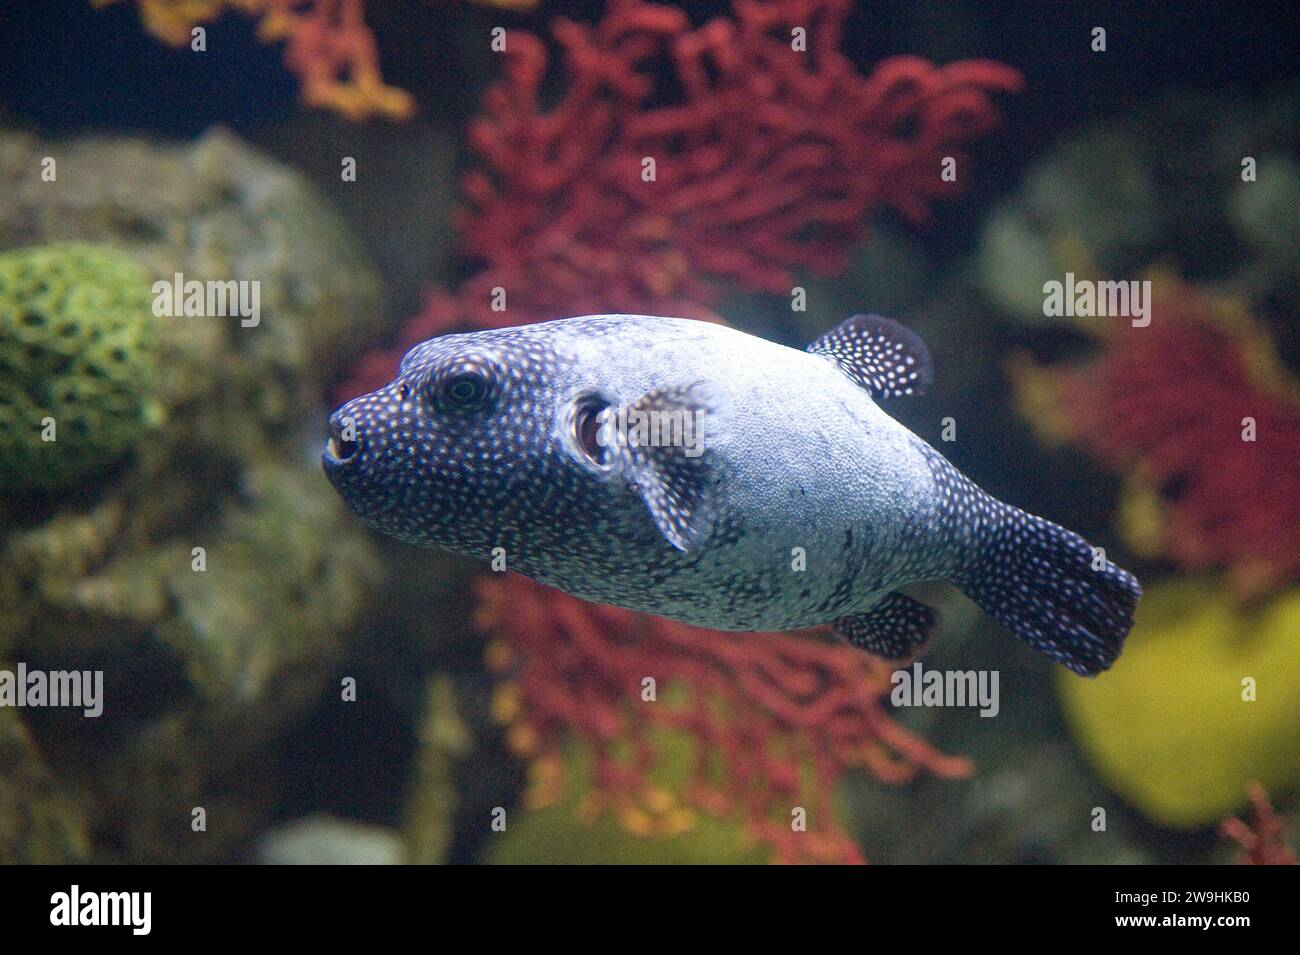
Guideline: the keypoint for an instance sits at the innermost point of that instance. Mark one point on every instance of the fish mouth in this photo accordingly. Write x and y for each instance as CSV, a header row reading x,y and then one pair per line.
x,y
340,449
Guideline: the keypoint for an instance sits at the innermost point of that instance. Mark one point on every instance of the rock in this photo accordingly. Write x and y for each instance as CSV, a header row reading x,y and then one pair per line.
x,y
213,573
41,822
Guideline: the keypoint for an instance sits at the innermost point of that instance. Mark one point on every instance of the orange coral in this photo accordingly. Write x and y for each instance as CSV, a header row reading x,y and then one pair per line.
x,y
327,46
776,718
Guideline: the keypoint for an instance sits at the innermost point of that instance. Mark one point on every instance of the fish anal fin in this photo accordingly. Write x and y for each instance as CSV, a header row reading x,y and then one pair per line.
x,y
891,629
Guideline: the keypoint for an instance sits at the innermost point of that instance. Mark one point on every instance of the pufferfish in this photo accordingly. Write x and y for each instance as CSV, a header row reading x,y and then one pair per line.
x,y
774,493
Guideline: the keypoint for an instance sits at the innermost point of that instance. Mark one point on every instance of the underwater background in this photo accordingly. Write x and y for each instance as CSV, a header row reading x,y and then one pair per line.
x,y
282,685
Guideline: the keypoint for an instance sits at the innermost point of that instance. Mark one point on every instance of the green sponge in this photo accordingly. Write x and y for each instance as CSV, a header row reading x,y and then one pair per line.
x,y
78,363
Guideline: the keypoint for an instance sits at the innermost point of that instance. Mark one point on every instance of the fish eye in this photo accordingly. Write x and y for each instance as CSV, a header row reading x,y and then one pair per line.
x,y
464,390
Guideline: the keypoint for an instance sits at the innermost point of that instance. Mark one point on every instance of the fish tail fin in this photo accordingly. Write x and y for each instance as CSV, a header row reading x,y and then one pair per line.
x,y
1049,586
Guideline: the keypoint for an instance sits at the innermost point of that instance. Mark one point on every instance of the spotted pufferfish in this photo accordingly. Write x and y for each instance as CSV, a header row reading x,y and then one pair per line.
x,y
800,503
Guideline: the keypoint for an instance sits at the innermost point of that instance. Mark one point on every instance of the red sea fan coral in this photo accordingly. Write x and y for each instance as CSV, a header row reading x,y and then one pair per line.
x,y
1196,407
1264,843
776,718
770,153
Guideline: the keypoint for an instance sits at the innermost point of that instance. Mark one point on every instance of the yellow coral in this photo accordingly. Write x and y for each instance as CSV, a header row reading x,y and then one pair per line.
x,y
1036,399
1141,517
579,825
1170,728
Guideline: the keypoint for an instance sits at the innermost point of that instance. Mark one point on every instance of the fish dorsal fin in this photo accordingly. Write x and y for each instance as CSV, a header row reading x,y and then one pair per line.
x,y
879,354
658,445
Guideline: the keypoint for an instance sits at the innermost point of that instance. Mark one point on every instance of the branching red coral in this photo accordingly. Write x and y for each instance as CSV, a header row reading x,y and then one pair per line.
x,y
1174,403
777,717
327,46
1265,842
770,153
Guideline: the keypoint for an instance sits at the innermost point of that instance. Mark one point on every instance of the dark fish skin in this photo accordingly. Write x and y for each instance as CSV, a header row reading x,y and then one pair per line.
x,y
803,504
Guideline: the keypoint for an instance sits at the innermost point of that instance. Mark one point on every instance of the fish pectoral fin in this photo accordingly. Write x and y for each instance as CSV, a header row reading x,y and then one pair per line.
x,y
659,443
879,354
892,629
